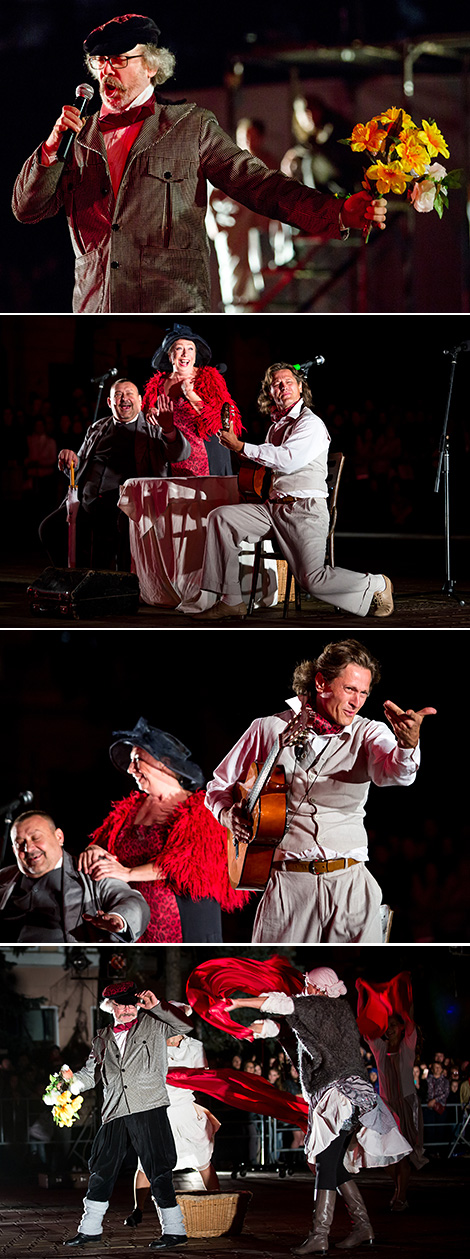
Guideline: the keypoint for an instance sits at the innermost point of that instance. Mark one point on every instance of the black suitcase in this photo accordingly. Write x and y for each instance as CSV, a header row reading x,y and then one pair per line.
x,y
81,593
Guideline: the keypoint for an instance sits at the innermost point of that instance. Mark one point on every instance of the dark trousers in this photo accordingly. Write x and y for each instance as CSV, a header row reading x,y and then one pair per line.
x,y
200,920
331,1171
150,1135
102,535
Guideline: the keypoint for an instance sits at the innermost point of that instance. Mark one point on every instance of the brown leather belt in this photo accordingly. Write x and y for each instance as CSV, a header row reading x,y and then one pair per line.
x,y
288,499
315,867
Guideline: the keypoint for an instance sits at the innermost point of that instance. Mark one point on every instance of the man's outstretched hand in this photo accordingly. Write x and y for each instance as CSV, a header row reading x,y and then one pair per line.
x,y
361,210
406,725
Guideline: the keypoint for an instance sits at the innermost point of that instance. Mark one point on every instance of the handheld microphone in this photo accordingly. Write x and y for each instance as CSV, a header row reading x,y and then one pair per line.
x,y
99,380
83,94
25,798
318,361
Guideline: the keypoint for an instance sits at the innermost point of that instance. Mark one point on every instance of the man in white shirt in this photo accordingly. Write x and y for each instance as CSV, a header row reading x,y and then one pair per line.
x,y
320,888
295,513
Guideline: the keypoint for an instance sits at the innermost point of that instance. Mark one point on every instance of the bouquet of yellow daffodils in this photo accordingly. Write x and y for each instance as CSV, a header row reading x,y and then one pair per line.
x,y
65,1107
405,159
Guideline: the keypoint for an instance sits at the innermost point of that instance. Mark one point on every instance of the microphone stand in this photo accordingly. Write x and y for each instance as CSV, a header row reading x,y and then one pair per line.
x,y
7,825
443,470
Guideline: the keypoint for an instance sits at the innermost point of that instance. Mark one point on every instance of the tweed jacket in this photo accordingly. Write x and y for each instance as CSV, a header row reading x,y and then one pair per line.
x,y
153,453
148,249
82,896
135,1081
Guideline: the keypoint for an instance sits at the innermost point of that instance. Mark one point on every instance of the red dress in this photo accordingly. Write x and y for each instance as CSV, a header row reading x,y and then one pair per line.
x,y
212,389
190,849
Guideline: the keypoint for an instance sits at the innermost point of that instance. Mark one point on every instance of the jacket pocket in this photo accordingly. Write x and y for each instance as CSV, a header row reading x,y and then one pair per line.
x,y
173,179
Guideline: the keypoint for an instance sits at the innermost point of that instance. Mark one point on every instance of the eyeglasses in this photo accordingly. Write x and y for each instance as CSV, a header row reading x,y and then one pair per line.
x,y
116,63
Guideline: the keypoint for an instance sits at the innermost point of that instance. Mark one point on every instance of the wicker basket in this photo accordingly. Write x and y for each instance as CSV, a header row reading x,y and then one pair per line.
x,y
213,1214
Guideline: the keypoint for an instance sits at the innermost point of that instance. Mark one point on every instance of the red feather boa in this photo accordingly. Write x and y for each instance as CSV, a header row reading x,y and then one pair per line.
x,y
211,388
193,858
213,982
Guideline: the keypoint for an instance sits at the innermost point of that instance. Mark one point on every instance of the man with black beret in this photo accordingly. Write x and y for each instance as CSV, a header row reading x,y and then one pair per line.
x,y
135,187
131,1059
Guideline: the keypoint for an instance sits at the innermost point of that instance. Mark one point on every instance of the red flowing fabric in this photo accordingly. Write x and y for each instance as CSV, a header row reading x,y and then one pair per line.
x,y
243,1090
376,1002
211,985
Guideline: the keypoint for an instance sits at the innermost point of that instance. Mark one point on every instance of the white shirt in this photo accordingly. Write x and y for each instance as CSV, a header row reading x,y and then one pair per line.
x,y
313,824
306,442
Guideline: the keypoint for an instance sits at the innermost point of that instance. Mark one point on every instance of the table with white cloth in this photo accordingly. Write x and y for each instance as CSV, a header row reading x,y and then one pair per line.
x,y
167,530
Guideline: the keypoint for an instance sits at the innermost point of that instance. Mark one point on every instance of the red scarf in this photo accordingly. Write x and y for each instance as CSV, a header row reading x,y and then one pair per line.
x,y
111,122
125,1027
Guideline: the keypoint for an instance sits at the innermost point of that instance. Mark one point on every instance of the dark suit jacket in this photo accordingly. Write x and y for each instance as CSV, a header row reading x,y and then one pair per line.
x,y
147,250
153,453
82,895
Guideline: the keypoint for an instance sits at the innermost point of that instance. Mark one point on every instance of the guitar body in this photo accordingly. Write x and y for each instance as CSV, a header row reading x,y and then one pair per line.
x,y
254,482
249,868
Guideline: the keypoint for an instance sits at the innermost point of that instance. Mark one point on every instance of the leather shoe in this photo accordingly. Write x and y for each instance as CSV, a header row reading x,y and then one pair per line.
x,y
134,1218
221,611
382,601
81,1239
168,1241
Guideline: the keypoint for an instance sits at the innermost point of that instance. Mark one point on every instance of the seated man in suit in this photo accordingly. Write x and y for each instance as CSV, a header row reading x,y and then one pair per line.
x,y
122,445
48,899
296,512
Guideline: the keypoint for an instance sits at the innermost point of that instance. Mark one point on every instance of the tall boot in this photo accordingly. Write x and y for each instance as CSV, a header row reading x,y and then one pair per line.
x,y
317,1242
362,1228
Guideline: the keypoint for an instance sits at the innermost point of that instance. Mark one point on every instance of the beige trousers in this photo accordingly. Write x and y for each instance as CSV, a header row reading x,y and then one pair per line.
x,y
301,530
338,908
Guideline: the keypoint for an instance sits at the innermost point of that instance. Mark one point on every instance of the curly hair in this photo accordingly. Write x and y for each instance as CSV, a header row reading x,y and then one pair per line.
x,y
333,659
160,60
265,400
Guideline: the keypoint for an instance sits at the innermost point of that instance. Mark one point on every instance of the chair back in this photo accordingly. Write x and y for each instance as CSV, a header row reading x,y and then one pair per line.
x,y
335,468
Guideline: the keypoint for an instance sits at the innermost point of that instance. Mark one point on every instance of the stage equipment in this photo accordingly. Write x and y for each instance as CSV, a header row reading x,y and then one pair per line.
x,y
80,593
443,471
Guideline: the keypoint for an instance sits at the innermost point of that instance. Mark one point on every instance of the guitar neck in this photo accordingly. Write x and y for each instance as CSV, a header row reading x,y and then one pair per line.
x,y
263,776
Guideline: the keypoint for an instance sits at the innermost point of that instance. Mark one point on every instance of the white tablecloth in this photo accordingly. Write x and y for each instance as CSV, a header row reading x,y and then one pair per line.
x,y
167,526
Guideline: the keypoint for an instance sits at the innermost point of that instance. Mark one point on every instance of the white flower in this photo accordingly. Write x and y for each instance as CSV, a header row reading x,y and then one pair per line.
x,y
52,1098
423,196
436,172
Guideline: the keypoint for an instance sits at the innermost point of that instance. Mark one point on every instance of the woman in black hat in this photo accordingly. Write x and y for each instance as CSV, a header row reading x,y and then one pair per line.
x,y
162,840
195,393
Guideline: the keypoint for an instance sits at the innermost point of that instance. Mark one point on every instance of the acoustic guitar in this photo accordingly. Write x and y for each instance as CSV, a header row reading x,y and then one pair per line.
x,y
254,481
264,797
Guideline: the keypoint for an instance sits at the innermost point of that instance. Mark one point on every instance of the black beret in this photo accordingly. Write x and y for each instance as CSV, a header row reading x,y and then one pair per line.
x,y
121,33
123,992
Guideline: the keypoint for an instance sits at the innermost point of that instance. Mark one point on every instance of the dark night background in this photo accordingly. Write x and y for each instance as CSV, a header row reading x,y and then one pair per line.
x,y
62,694
41,63
382,393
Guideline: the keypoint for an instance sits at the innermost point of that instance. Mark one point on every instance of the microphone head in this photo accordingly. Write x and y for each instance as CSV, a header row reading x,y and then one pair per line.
x,y
26,797
113,371
84,91
222,368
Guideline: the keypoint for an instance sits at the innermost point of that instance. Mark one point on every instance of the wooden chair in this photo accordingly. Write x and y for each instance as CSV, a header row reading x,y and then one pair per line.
x,y
335,468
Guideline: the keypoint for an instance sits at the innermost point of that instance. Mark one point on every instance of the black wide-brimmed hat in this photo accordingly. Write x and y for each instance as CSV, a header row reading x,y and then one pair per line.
x,y
161,745
123,991
121,33
160,359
